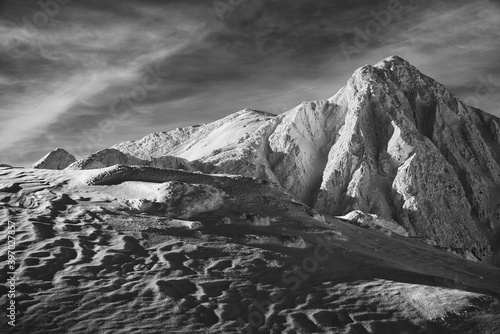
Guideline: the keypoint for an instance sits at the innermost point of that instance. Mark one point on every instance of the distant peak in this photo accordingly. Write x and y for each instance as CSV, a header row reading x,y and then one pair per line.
x,y
61,150
56,159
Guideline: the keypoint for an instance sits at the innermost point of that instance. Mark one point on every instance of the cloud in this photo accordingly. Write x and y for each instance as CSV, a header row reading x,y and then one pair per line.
x,y
265,54
71,63
459,47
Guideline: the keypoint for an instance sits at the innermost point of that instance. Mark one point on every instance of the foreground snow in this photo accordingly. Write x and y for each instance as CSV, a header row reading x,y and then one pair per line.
x,y
146,250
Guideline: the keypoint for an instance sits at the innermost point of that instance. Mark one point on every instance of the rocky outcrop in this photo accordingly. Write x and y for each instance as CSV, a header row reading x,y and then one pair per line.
x,y
185,200
57,159
392,143
171,163
111,157
180,200
372,222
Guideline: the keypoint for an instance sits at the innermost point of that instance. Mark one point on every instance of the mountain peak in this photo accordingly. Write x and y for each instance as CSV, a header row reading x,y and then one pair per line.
x,y
393,60
393,68
57,159
397,74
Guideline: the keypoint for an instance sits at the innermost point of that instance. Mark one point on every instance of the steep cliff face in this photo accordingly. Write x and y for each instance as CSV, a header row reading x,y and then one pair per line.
x,y
412,152
392,143
298,146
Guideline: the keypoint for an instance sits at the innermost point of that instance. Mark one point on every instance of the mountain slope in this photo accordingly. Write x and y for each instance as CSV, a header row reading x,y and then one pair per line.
x,y
392,142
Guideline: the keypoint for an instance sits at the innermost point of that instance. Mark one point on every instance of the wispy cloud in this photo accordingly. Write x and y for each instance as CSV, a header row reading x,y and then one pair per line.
x,y
71,63
263,54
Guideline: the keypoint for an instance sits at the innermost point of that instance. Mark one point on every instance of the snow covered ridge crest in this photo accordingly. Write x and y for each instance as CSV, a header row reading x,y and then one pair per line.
x,y
392,143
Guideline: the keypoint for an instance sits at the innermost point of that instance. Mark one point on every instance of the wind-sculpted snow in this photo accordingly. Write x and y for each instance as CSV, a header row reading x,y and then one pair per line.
x,y
224,254
121,173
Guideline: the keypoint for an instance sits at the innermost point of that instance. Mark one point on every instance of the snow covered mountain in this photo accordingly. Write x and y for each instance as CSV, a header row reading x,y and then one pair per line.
x,y
392,142
156,235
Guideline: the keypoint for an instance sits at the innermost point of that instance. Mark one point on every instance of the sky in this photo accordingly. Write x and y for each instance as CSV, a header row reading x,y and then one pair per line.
x,y
84,75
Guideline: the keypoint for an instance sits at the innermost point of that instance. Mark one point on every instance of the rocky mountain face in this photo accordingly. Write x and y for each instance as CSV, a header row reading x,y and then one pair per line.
x,y
413,152
392,143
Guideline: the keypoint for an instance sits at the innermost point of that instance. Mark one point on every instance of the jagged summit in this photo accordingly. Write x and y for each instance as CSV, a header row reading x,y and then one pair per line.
x,y
388,66
400,72
394,59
